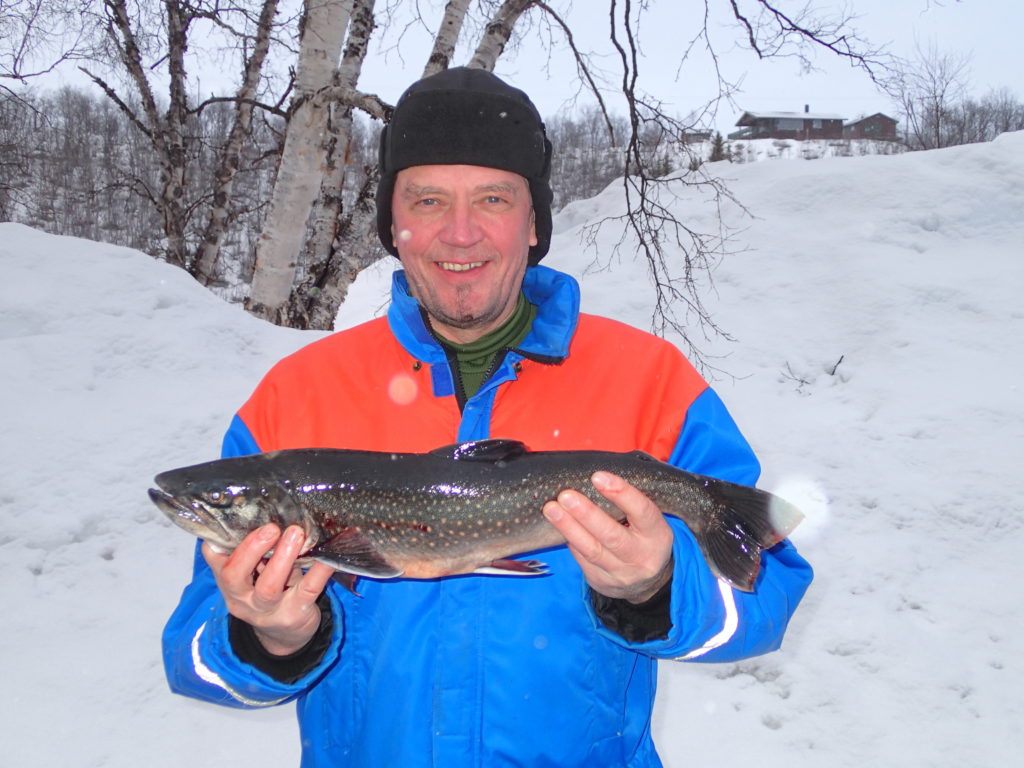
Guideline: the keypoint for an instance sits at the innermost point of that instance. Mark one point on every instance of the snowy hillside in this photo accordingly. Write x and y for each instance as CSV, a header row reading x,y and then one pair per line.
x,y
878,369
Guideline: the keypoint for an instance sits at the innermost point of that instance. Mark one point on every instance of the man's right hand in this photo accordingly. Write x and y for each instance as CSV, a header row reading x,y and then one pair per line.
x,y
273,596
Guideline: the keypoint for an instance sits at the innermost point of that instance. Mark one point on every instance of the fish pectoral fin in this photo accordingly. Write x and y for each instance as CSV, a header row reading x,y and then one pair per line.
x,y
489,451
350,551
506,567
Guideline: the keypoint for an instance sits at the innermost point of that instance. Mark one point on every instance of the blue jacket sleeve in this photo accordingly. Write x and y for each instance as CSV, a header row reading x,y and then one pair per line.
x,y
711,621
198,658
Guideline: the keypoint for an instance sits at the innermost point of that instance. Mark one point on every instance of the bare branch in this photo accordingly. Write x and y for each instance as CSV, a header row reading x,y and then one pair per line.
x,y
121,104
774,33
272,109
36,36
679,259
369,103
582,66
121,33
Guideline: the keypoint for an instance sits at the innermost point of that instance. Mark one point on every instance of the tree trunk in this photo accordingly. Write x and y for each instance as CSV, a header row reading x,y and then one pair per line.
x,y
447,35
357,248
497,34
302,160
204,267
172,195
338,152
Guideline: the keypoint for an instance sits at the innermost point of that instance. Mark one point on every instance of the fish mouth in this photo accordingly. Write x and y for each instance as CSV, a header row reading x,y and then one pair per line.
x,y
194,518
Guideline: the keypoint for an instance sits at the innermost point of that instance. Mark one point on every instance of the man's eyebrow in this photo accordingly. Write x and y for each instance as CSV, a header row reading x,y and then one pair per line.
x,y
414,190
507,189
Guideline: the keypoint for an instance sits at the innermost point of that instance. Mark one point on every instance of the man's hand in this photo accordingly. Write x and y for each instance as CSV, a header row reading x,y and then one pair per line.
x,y
629,562
275,597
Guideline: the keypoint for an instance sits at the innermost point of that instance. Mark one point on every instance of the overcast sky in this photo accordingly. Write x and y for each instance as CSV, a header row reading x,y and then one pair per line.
x,y
987,31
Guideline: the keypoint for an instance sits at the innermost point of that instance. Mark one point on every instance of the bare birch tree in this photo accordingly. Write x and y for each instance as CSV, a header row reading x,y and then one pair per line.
x,y
302,162
339,135
928,91
204,267
127,27
164,129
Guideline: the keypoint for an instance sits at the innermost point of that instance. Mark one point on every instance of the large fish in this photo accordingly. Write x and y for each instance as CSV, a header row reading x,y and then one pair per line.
x,y
458,509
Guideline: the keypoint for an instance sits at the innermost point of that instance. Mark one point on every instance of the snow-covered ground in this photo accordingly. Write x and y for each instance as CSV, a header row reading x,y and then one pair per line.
x,y
756,150
878,309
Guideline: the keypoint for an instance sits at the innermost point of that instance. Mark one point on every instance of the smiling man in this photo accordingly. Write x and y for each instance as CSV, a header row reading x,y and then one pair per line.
x,y
463,232
480,342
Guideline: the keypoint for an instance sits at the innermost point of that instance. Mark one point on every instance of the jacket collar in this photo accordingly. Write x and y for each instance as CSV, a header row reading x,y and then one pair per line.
x,y
556,294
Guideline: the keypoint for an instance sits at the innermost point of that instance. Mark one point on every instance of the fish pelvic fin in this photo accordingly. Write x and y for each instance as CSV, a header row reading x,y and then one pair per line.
x,y
507,567
353,553
747,520
348,581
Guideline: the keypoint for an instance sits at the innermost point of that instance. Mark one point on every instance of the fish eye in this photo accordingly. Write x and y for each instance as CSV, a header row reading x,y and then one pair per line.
x,y
218,498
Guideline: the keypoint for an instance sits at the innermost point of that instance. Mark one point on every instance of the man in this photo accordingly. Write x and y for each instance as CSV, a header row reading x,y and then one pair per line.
x,y
480,342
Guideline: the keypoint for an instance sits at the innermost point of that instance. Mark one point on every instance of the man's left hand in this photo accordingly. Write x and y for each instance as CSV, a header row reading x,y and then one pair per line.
x,y
627,562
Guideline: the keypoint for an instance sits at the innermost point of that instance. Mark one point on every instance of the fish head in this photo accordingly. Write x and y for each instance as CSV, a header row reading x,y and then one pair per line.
x,y
223,501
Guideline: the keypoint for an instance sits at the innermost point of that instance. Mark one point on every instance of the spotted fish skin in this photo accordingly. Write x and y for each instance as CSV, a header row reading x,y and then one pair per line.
x,y
459,509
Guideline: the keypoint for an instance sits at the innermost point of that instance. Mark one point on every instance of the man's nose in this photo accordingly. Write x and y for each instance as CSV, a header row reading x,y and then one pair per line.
x,y
461,228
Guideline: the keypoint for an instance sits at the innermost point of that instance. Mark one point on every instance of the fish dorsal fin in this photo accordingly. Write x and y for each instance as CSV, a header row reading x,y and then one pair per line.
x,y
490,451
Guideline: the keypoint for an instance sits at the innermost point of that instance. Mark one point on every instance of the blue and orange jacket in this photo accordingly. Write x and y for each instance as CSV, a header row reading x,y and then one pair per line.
x,y
490,670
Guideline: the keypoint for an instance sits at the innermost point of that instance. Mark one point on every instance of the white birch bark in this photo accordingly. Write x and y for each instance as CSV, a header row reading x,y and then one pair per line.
x,y
497,34
301,169
447,35
337,149
172,194
356,249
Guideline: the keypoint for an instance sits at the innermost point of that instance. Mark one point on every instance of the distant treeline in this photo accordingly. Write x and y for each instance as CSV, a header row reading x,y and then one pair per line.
x,y
933,123
71,163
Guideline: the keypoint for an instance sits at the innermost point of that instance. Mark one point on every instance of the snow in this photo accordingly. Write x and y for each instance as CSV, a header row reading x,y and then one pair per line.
x,y
877,369
756,150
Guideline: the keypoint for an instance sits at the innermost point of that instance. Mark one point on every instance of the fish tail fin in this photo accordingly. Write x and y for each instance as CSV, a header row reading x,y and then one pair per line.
x,y
746,521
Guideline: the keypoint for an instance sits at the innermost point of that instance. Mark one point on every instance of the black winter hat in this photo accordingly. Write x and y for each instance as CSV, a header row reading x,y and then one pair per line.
x,y
465,116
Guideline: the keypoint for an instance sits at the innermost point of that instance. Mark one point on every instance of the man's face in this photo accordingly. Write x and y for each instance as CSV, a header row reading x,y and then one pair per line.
x,y
463,233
